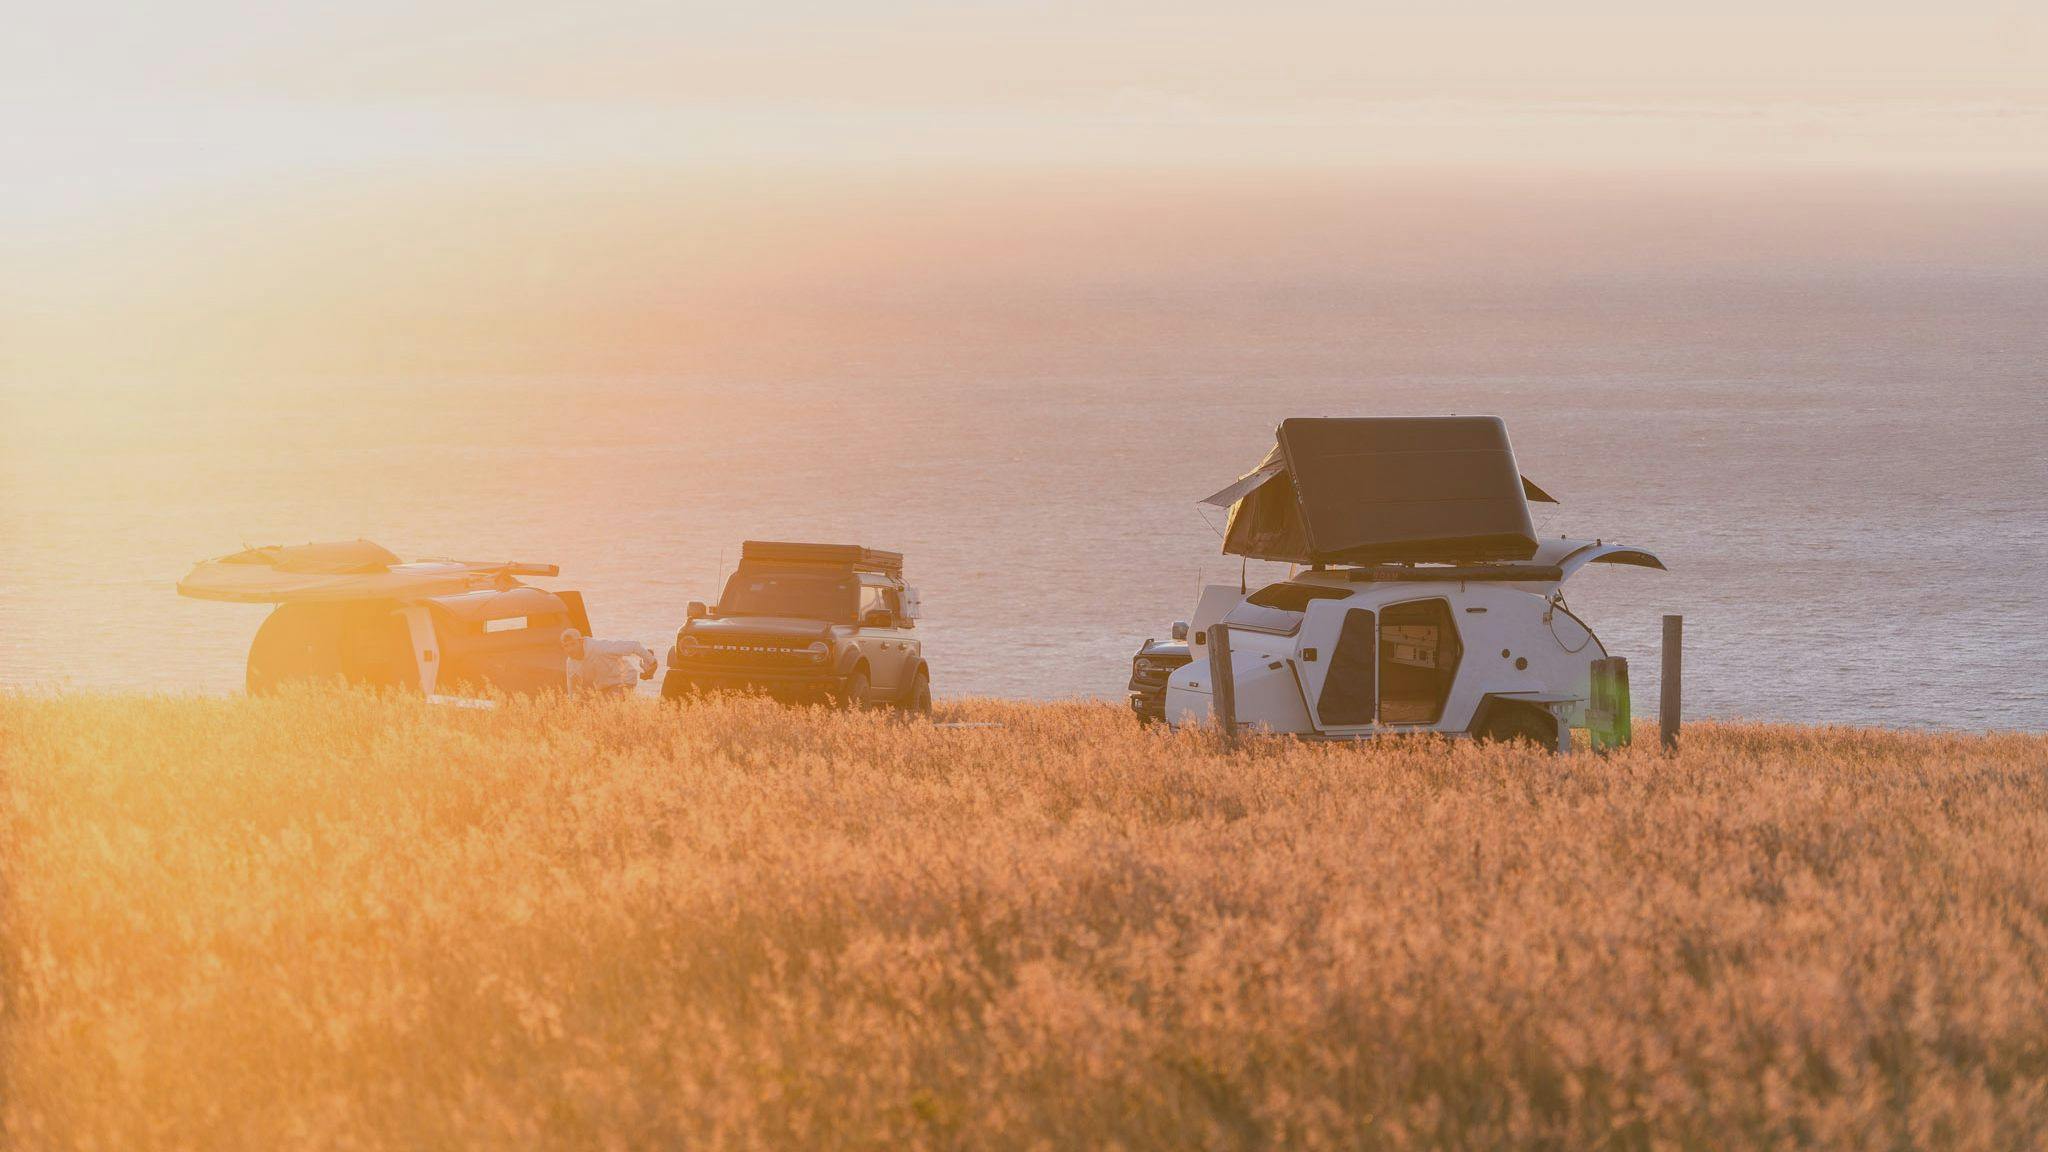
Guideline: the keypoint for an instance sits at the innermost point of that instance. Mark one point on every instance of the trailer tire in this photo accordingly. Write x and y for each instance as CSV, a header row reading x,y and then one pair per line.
x,y
1507,722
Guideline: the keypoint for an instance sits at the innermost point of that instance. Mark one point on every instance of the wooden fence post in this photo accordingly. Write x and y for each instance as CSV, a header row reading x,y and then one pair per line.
x,y
1222,680
1669,692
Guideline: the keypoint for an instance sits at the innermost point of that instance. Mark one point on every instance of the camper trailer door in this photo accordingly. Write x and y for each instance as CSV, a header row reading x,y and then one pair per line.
x,y
1337,657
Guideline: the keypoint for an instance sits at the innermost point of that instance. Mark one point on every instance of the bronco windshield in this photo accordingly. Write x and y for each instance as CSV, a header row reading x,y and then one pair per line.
x,y
804,595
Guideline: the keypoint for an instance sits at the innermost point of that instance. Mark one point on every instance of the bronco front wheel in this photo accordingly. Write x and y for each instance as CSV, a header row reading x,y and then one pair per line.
x,y
675,686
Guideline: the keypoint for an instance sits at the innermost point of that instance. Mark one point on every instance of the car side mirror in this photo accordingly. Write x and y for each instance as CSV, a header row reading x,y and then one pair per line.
x,y
878,618
696,611
1180,630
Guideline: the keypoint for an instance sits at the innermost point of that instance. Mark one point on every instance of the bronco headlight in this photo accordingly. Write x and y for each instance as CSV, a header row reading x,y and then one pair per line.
x,y
819,650
687,646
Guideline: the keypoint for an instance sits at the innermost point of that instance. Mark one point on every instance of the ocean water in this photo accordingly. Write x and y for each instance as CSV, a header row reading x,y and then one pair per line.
x,y
1845,473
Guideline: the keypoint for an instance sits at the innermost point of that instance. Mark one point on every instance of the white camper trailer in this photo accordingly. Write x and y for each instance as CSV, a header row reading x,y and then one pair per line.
x,y
1427,603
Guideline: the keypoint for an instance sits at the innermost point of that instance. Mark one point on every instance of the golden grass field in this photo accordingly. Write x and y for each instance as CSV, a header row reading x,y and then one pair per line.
x,y
338,921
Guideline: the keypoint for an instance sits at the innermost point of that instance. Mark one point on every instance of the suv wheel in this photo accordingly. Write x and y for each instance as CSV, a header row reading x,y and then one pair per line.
x,y
675,686
918,701
855,695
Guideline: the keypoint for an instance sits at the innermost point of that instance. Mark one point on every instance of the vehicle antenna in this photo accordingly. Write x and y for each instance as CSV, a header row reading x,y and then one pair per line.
x,y
718,588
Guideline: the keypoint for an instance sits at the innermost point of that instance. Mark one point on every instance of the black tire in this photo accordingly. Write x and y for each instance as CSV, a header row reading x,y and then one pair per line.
x,y
855,694
1508,723
675,686
918,701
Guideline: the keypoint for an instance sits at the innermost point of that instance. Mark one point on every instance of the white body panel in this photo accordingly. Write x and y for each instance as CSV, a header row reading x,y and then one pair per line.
x,y
1210,606
1514,639
1267,696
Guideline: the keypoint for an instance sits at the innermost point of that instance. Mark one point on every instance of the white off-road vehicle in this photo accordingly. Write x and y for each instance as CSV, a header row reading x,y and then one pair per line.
x,y
1427,603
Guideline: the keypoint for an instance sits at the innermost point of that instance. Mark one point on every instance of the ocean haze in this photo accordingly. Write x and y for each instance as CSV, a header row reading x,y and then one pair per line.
x,y
1818,397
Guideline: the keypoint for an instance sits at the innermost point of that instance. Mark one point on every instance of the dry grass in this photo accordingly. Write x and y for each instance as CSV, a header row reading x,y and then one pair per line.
x,y
344,922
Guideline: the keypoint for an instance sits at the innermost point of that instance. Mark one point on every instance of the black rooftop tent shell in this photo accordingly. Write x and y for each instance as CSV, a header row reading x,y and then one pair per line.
x,y
1433,489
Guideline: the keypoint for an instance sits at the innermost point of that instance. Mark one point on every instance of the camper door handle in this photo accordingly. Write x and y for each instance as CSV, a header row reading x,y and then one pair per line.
x,y
1308,655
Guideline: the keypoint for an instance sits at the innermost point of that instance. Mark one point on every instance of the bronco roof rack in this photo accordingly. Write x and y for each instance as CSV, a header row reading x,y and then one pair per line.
x,y
848,555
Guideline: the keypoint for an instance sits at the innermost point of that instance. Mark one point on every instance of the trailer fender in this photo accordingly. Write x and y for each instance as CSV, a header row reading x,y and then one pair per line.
x,y
1497,706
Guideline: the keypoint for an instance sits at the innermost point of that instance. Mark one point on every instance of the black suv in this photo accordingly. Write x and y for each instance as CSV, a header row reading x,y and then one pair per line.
x,y
828,622
1150,668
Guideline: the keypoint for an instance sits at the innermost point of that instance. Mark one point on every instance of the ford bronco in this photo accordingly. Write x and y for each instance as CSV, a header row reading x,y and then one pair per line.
x,y
829,622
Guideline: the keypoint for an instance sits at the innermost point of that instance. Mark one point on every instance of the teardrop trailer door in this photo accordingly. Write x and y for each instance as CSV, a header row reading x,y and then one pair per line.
x,y
1338,665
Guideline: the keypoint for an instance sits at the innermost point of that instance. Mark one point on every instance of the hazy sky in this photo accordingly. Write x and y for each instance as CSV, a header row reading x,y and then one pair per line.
x,y
896,52
105,98
394,166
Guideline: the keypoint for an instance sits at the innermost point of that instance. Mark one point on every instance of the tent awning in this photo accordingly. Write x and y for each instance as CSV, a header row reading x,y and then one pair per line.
x,y
1242,486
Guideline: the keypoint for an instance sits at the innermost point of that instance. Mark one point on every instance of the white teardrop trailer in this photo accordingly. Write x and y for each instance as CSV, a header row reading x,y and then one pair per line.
x,y
1427,603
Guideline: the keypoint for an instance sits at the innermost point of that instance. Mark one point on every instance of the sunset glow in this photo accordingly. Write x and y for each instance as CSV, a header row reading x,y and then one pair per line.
x,y
223,188
978,575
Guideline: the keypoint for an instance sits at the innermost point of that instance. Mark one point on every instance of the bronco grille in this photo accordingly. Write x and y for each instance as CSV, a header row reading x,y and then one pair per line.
x,y
758,653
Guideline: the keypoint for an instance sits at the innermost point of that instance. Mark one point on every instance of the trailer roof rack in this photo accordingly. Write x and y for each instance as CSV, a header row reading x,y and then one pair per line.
x,y
1398,572
842,555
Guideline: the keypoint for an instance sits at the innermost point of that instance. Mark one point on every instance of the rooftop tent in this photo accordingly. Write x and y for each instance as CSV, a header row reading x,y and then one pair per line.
x,y
1435,489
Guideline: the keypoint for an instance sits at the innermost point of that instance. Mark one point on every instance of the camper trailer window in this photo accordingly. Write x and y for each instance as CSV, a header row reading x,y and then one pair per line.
x,y
1279,607
804,595
1290,597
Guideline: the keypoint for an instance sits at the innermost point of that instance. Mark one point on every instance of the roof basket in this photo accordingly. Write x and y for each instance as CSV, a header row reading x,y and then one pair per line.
x,y
838,555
